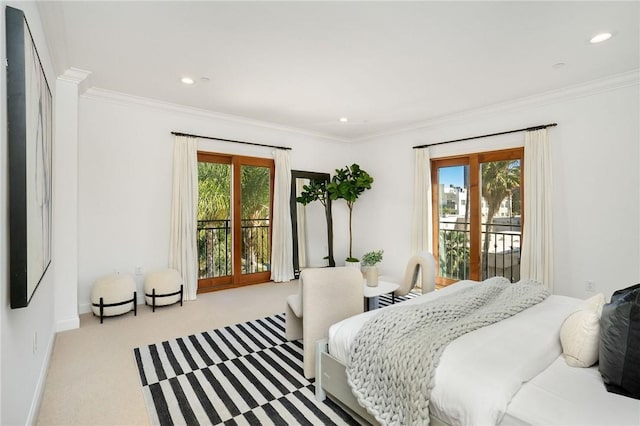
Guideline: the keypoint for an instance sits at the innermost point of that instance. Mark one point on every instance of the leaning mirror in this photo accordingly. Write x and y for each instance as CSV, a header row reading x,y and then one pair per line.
x,y
311,221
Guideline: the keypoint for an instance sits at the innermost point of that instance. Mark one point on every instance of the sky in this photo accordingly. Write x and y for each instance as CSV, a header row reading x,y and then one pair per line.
x,y
452,175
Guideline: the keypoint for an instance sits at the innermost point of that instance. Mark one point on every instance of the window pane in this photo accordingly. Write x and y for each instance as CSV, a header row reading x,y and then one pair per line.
x,y
214,220
454,205
255,206
501,226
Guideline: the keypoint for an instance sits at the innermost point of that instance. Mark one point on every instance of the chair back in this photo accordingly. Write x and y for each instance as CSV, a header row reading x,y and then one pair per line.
x,y
332,287
420,269
329,295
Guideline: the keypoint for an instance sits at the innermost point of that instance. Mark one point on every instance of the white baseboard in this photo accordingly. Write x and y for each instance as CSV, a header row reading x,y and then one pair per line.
x,y
84,308
42,377
68,324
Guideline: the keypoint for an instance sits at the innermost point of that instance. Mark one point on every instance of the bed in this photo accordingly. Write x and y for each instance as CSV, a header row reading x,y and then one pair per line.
x,y
479,379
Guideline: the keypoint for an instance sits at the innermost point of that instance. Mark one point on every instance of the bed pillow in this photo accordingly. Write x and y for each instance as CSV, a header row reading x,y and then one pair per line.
x,y
619,337
580,333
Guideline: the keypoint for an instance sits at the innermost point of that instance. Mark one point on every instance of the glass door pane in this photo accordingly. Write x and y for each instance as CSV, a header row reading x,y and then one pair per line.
x,y
255,213
501,219
214,220
454,212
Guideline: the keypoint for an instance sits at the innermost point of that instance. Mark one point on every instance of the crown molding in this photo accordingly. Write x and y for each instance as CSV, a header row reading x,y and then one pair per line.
x,y
590,88
605,84
126,99
77,76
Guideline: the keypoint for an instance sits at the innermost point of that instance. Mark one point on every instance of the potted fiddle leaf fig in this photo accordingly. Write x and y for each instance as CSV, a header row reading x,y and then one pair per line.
x,y
316,190
348,184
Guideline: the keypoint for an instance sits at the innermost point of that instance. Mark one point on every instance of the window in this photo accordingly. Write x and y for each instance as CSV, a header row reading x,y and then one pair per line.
x,y
477,205
234,220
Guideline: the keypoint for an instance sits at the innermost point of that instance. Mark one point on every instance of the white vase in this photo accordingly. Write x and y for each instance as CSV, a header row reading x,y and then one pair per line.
x,y
372,276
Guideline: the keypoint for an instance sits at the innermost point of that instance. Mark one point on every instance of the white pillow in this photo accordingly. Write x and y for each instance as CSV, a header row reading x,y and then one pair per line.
x,y
580,333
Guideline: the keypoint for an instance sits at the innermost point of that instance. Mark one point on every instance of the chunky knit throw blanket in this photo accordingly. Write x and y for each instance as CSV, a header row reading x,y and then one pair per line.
x,y
393,359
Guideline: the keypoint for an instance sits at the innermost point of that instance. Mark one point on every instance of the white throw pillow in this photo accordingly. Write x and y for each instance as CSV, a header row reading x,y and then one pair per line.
x,y
580,333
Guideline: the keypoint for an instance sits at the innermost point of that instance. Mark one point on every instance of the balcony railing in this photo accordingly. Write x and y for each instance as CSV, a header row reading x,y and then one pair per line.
x,y
256,250
500,256
215,247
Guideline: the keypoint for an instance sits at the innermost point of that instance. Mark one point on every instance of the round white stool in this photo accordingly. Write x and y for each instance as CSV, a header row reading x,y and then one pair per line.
x,y
163,288
113,295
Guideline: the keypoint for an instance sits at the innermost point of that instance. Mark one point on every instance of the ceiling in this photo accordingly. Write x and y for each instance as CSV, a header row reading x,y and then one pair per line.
x,y
386,66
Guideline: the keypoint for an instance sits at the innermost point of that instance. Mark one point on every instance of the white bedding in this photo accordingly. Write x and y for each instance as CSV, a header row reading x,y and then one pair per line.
x,y
480,372
568,396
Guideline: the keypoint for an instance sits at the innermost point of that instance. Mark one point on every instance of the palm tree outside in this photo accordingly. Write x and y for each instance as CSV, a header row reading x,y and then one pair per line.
x,y
214,219
479,202
500,179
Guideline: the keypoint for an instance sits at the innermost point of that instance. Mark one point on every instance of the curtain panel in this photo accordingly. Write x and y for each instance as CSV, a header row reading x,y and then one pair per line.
x,y
183,250
421,221
537,245
282,234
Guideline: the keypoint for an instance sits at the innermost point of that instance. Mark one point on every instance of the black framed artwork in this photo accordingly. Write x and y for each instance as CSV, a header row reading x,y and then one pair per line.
x,y
29,138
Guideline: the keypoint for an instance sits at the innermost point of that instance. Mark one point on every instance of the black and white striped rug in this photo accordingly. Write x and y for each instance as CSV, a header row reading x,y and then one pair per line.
x,y
244,374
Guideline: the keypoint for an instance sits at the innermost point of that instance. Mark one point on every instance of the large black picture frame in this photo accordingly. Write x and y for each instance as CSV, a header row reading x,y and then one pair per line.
x,y
29,137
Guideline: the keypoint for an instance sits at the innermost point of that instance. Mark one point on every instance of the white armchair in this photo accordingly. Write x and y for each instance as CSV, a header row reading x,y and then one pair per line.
x,y
325,296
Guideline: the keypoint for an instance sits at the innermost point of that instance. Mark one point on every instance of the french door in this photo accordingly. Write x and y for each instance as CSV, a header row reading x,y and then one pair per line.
x,y
477,202
234,220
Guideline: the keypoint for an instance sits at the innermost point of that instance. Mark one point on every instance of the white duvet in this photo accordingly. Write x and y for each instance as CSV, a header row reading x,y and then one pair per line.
x,y
568,396
479,373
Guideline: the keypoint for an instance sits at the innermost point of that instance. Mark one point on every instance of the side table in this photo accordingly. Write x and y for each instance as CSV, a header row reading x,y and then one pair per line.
x,y
371,293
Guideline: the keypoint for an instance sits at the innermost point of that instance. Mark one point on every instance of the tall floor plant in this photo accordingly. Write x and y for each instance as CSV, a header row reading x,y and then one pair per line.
x,y
348,184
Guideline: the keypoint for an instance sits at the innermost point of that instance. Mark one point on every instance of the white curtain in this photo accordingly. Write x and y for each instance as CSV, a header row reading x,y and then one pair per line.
x,y
421,224
282,239
537,248
183,252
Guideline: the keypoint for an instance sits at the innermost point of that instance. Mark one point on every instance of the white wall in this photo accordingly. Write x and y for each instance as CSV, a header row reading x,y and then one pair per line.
x,y
23,368
596,159
124,178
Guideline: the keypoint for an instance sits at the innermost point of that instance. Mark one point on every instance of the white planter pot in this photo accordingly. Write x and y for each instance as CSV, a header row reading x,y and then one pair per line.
x,y
372,276
352,264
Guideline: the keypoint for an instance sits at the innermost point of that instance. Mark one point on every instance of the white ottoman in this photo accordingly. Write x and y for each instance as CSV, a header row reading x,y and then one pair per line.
x,y
163,288
113,295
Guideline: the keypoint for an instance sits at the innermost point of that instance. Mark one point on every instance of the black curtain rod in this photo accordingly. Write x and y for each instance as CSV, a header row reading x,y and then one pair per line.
x,y
527,129
230,140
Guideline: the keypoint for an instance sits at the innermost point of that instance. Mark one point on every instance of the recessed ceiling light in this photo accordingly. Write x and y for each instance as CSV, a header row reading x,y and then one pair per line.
x,y
187,80
599,38
343,119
